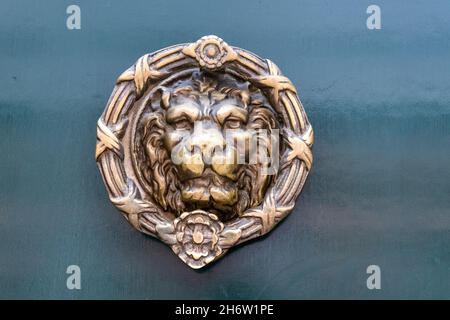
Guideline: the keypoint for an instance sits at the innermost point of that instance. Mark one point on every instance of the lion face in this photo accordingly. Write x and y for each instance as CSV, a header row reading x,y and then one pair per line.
x,y
197,146
206,159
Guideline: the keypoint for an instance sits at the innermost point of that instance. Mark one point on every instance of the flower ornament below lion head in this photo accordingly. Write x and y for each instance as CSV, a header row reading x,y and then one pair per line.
x,y
197,235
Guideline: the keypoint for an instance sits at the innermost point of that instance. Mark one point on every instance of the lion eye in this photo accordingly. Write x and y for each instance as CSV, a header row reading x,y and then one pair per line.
x,y
183,124
232,123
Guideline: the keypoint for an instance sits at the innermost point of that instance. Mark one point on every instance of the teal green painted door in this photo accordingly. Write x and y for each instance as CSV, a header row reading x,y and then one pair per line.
x,y
378,194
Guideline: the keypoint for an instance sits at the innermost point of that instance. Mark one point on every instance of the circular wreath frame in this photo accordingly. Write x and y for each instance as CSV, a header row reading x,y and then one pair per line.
x,y
146,73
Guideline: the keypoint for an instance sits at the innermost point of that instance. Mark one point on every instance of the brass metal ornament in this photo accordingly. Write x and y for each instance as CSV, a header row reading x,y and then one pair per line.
x,y
204,146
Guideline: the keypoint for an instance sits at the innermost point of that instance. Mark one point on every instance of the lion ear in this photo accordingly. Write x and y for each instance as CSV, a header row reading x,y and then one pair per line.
x,y
245,96
164,94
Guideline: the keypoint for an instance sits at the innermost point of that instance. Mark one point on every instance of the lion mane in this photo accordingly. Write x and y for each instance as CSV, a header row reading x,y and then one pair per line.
x,y
161,175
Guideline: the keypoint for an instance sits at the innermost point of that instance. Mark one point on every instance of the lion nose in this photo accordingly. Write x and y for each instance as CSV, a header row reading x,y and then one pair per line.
x,y
206,141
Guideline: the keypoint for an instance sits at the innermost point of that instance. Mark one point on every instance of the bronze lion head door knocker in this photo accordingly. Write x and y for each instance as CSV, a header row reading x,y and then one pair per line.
x,y
204,146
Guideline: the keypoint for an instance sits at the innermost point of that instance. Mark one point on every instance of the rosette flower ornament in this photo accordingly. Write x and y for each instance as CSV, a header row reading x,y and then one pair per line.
x,y
197,236
211,52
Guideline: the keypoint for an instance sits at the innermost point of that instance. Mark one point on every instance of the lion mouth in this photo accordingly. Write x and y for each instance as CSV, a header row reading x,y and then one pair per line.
x,y
210,188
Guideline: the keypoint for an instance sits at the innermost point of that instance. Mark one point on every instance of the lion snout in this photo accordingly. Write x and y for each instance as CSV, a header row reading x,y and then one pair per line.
x,y
207,149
